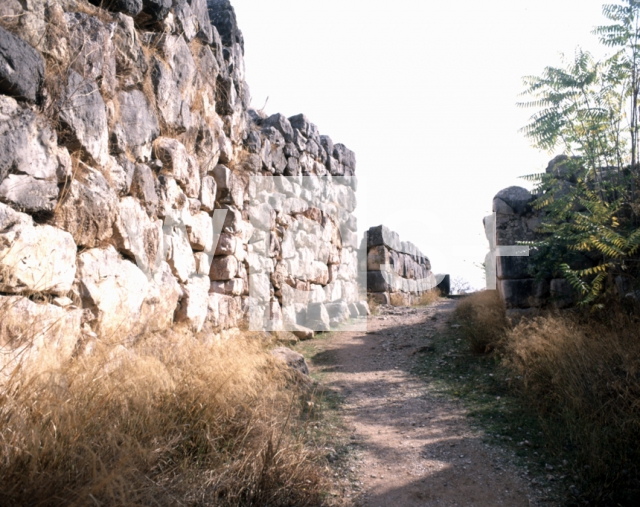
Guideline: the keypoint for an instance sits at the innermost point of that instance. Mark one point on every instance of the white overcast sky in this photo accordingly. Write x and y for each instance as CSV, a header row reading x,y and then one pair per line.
x,y
425,94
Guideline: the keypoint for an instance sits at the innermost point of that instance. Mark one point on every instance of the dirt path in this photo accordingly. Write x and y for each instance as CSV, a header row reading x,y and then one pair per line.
x,y
417,449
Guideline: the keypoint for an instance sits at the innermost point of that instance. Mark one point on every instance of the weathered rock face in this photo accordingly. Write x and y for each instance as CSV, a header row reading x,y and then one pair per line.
x,y
516,221
34,258
294,360
21,68
29,146
138,187
113,290
84,114
396,269
89,209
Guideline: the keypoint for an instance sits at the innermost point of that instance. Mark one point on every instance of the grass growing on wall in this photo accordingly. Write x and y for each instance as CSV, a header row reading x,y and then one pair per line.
x,y
173,420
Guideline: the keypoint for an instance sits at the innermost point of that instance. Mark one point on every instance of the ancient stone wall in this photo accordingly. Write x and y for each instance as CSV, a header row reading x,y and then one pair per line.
x,y
397,271
138,188
516,220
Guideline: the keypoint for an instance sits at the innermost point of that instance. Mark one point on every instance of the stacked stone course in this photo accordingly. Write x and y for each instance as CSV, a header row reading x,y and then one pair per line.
x,y
124,133
397,271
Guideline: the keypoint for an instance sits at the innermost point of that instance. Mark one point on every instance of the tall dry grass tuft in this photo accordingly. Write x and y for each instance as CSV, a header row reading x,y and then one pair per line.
x,y
483,320
170,421
582,375
398,299
428,297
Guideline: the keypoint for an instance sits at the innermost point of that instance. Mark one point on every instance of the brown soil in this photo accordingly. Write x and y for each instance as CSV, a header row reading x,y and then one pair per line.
x,y
416,449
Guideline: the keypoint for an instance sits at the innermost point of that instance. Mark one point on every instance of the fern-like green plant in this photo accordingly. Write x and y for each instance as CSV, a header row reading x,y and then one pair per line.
x,y
590,110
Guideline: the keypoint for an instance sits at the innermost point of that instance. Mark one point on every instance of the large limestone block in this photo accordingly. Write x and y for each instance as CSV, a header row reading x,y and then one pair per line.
x,y
201,232
179,254
137,236
88,209
193,20
516,198
84,115
137,124
195,302
376,282
161,301
527,293
143,186
34,258
318,273
344,156
281,124
233,287
21,68
381,235
174,112
177,54
28,145
224,268
113,289
317,317
36,335
510,229
208,189
294,360
338,311
230,188
28,194
91,45
225,312
182,166
131,63
223,17
513,267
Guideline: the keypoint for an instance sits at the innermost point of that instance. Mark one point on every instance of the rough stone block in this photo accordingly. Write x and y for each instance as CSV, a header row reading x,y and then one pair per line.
x,y
34,258
376,282
84,114
21,68
194,303
224,268
28,194
513,267
517,293
317,317
88,210
113,289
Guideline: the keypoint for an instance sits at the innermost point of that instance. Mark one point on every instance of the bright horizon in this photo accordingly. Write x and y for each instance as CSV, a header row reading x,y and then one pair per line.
x,y
424,93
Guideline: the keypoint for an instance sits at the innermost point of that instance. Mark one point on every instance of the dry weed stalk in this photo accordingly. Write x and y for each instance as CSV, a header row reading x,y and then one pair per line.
x,y
483,320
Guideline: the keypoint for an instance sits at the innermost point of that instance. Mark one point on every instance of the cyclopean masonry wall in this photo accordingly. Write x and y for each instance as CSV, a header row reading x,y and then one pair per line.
x,y
516,221
396,269
138,188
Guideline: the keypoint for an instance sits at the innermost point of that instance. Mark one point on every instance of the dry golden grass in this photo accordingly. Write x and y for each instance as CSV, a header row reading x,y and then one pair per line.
x,y
397,299
374,306
428,298
170,421
483,320
582,375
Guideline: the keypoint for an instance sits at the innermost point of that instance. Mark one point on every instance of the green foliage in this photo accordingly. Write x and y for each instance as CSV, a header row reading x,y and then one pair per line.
x,y
589,110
